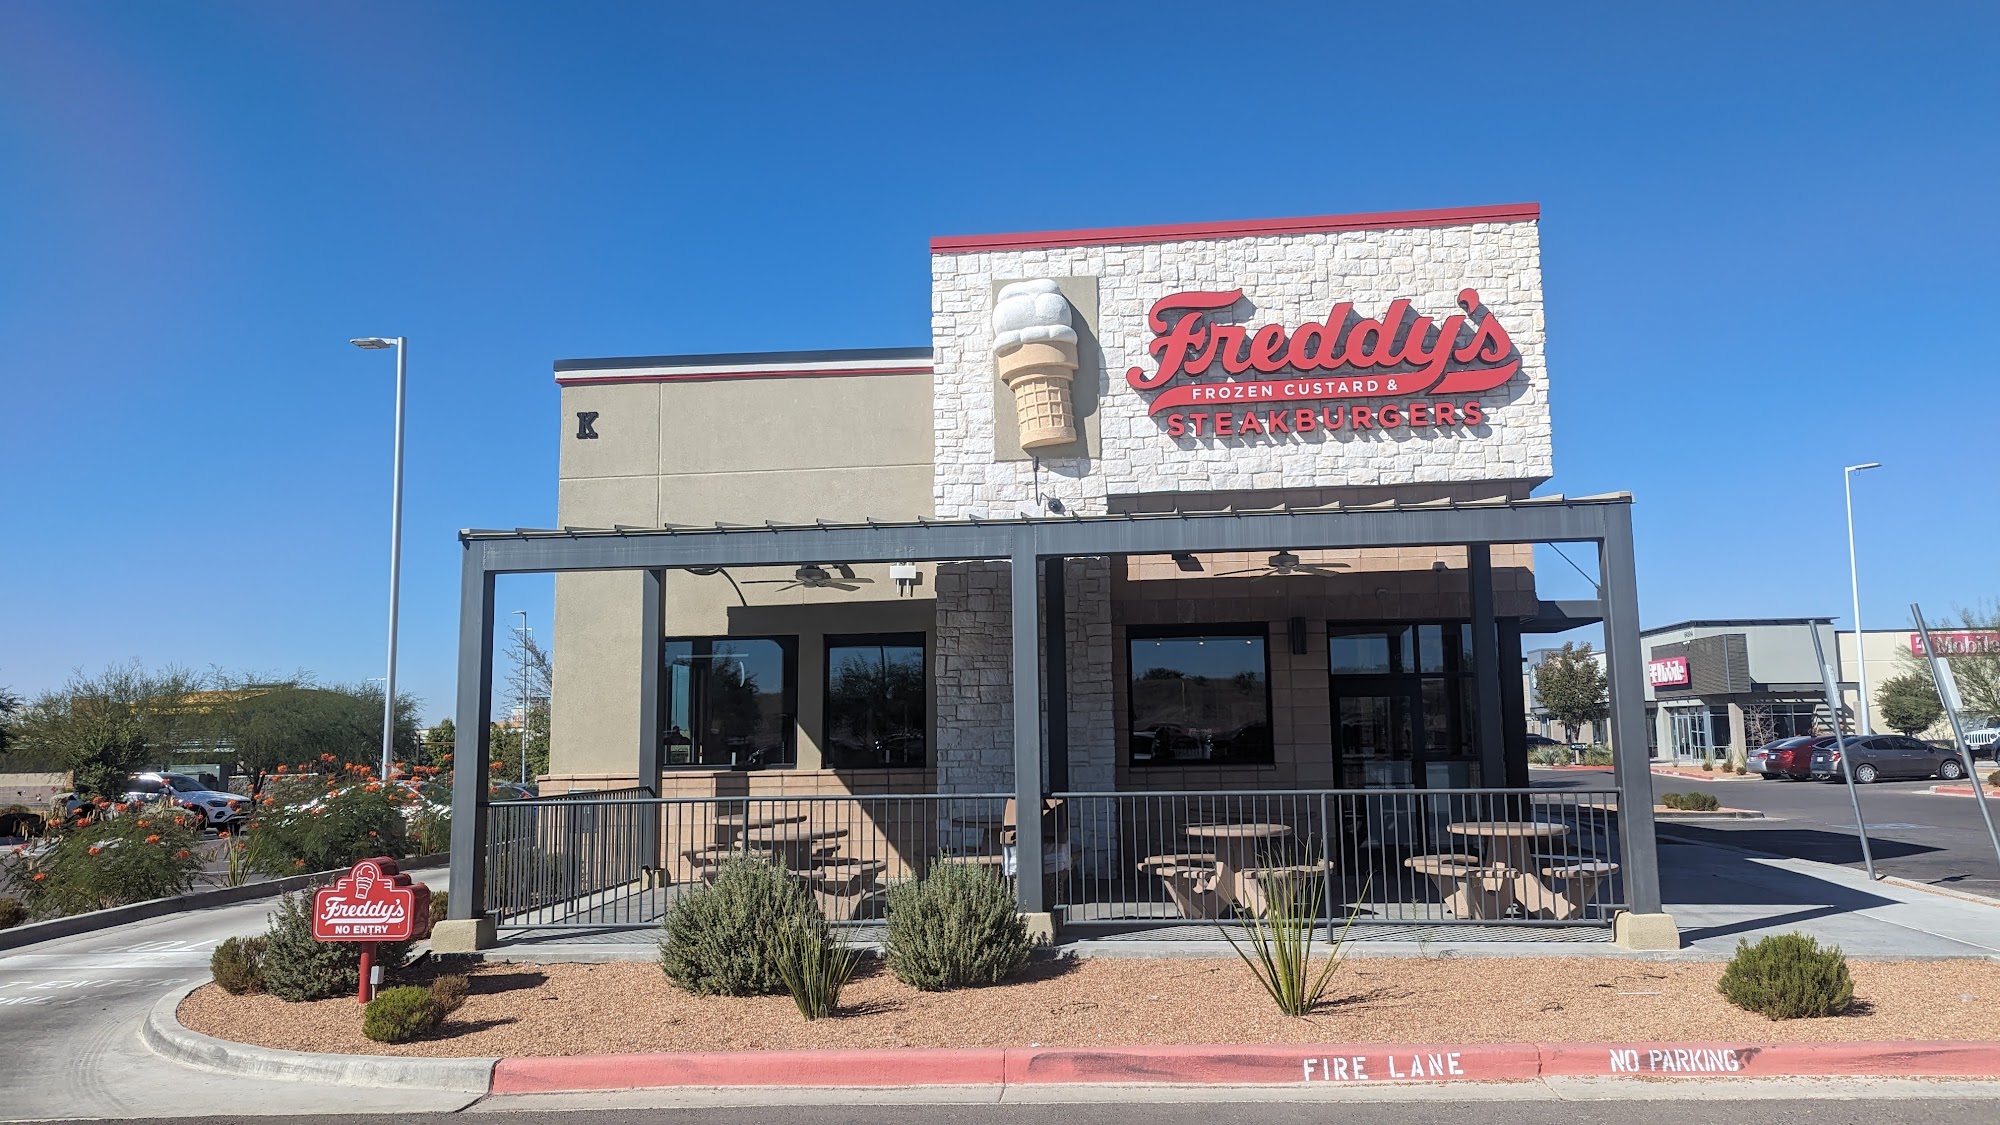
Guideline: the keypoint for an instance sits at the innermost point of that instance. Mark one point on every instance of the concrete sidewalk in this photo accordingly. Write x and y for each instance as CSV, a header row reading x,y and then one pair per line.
x,y
1717,895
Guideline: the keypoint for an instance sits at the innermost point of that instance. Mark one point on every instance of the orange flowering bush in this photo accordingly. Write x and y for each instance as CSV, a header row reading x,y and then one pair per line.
x,y
343,821
110,861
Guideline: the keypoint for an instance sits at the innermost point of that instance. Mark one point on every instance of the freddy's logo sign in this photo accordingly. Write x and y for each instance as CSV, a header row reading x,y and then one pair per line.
x,y
372,902
1397,355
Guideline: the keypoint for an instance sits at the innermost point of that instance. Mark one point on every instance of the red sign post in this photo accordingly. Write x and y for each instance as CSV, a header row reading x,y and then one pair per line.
x,y
372,903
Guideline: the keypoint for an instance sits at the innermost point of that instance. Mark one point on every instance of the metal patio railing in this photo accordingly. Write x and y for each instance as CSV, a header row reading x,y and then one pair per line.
x,y
1126,861
1404,857
617,861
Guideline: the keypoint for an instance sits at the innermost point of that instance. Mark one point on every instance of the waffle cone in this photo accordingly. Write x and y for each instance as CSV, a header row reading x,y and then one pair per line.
x,y
1040,374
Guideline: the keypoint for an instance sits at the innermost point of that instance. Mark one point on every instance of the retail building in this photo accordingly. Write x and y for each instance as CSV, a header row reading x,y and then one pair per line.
x,y
1265,487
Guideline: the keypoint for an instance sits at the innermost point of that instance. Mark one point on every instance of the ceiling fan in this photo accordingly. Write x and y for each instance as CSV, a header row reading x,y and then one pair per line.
x,y
815,577
1285,562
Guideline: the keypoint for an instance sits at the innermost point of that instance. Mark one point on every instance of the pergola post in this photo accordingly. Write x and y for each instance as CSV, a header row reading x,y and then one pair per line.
x,y
1645,925
1486,667
1055,662
652,670
467,926
1027,652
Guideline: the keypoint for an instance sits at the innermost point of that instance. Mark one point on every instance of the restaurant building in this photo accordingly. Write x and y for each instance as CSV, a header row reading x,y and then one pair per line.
x,y
1313,444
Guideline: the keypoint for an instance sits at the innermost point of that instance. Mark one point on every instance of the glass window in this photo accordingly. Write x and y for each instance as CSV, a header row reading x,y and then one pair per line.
x,y
1371,650
1201,699
875,694
729,702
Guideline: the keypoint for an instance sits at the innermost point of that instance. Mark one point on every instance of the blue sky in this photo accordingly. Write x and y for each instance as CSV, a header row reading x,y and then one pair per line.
x,y
1769,249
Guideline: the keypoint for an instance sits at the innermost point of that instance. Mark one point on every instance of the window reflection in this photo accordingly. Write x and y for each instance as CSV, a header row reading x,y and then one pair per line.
x,y
1202,700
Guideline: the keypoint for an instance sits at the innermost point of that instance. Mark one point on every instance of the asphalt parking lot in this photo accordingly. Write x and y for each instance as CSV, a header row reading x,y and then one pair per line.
x,y
1914,833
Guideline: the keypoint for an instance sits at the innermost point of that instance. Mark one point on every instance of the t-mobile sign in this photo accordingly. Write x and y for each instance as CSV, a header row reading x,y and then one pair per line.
x,y
1667,671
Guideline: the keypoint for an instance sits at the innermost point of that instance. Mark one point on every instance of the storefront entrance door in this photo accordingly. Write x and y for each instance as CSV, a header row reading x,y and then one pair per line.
x,y
1403,710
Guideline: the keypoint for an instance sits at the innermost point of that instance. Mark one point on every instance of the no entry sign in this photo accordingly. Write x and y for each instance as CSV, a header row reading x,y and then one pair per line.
x,y
372,902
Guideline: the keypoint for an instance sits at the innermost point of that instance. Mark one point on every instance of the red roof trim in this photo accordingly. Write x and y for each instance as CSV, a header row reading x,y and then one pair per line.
x,y
1247,228
579,380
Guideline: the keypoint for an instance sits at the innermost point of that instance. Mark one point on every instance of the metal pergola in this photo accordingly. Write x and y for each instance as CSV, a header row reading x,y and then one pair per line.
x,y
1035,548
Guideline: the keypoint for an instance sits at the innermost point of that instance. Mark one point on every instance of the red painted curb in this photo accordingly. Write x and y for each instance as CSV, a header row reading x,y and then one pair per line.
x,y
937,1067
1300,1064
1872,1060
1963,791
1272,1065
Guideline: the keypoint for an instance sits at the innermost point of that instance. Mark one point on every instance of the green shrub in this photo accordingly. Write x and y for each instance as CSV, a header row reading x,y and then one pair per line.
x,y
429,828
344,824
440,906
12,913
726,939
1993,778
1696,801
1550,756
449,992
956,926
236,965
296,967
398,1015
1708,765
815,968
134,854
1788,976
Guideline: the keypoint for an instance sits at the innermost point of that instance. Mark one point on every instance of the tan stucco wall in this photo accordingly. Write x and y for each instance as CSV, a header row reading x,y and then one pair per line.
x,y
740,451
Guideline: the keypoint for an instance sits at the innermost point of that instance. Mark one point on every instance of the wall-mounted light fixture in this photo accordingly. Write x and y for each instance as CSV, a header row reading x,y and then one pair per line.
x,y
1186,561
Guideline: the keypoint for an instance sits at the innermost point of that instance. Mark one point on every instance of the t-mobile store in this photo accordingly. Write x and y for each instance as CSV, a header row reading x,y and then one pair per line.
x,y
1212,542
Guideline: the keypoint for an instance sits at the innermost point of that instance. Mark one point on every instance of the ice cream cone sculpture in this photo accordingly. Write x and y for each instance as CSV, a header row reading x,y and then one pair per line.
x,y
1034,348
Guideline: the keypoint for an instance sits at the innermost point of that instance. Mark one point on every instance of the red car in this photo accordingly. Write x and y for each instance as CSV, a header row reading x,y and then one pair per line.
x,y
1789,758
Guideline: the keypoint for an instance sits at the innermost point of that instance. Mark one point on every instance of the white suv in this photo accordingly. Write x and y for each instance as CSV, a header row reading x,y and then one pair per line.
x,y
1984,739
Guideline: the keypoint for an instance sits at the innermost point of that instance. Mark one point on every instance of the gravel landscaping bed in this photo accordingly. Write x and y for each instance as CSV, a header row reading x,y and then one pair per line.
x,y
587,1009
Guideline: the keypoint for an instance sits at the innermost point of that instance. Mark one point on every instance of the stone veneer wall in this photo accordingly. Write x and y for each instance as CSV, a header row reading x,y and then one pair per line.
x,y
1287,279
973,667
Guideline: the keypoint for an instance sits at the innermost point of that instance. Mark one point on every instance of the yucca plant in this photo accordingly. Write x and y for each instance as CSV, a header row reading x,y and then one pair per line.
x,y
816,966
1281,943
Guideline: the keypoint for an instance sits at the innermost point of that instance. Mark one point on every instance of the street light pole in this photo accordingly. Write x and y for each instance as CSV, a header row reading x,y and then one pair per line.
x,y
521,695
401,344
1862,725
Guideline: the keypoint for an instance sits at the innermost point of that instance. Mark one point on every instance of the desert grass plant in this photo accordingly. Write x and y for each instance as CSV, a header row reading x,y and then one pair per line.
x,y
296,967
956,927
133,854
400,1014
816,966
727,938
12,913
1788,976
1696,801
1280,942
237,965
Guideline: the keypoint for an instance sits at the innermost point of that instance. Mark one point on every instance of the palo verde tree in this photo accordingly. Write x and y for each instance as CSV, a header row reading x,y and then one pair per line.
x,y
101,728
297,721
1572,686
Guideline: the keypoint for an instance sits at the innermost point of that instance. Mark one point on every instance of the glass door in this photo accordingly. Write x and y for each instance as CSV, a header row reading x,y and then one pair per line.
x,y
1403,706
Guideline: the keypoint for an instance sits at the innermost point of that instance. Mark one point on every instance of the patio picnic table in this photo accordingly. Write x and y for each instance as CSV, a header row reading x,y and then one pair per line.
x,y
793,844
1236,863
1511,844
